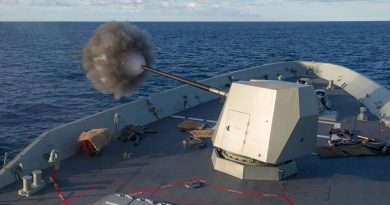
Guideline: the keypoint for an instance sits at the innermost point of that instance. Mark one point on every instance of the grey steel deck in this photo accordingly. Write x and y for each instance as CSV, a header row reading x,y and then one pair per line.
x,y
160,166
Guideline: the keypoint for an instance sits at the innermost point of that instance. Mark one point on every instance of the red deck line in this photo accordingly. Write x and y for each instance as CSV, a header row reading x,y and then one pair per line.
x,y
283,196
56,188
143,191
82,192
183,181
287,199
221,188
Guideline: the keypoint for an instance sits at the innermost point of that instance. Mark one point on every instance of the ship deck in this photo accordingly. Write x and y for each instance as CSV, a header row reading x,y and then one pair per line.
x,y
160,166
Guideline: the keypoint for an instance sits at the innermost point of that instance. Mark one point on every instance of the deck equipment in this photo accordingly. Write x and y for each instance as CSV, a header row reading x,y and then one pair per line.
x,y
93,141
264,125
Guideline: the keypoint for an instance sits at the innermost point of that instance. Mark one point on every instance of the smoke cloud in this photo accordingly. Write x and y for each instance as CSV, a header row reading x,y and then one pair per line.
x,y
113,57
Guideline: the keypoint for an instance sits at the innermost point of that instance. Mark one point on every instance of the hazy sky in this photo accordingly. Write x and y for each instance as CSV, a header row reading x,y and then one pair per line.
x,y
190,10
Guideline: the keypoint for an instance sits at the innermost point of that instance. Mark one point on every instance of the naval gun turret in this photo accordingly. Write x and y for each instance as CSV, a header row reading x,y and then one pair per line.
x,y
264,125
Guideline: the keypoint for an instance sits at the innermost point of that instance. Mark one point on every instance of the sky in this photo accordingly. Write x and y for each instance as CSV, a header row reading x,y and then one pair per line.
x,y
191,10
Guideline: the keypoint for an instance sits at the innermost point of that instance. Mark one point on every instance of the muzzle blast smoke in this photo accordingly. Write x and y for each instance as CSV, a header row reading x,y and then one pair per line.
x,y
116,56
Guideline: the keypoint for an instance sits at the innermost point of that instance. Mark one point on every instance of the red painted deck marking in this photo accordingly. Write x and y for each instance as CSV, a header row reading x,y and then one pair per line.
x,y
81,193
221,188
283,196
56,188
154,189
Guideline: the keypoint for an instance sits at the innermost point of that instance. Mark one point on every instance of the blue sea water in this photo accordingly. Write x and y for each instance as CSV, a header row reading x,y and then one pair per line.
x,y
43,85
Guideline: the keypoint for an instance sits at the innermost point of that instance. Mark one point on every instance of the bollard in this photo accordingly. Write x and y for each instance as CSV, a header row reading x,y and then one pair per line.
x,y
37,178
32,184
27,183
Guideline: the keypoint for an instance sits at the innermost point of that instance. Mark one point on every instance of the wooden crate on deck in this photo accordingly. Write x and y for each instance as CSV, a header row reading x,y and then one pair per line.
x,y
94,140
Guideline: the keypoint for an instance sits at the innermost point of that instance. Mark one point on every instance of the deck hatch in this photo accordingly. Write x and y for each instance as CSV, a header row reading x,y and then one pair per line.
x,y
236,126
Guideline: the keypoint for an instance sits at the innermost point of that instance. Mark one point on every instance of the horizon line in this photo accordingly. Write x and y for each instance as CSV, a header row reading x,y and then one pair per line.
x,y
192,21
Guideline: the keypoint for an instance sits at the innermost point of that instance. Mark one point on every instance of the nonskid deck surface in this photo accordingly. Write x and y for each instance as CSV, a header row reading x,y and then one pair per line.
x,y
160,166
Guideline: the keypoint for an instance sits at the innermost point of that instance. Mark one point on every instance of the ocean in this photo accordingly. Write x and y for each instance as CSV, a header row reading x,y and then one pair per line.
x,y
43,84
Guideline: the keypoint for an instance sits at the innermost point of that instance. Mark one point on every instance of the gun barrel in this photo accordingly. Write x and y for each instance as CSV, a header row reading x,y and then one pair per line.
x,y
183,80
